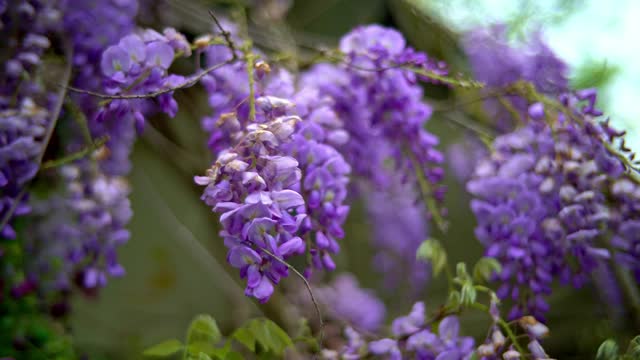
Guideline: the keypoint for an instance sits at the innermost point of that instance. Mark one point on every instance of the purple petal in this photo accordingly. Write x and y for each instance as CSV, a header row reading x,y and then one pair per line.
x,y
293,246
114,60
240,256
159,54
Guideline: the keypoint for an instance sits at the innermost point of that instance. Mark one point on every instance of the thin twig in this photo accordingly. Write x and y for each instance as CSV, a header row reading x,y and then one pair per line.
x,y
227,36
55,114
529,93
473,127
464,83
12,209
252,89
81,120
76,155
192,81
307,285
425,190
504,325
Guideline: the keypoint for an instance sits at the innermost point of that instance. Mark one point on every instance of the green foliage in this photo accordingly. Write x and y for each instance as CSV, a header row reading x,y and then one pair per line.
x,y
633,351
594,73
468,294
462,276
304,335
164,349
454,299
431,250
263,336
25,331
484,268
202,335
608,350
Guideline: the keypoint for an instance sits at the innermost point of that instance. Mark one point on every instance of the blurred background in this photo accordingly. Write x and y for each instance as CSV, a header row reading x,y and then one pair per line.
x,y
175,261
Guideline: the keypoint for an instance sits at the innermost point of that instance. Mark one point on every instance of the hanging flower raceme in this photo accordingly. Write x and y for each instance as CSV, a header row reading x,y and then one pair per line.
x,y
137,65
381,107
398,228
498,64
413,338
25,104
79,228
325,175
252,185
324,171
346,301
544,202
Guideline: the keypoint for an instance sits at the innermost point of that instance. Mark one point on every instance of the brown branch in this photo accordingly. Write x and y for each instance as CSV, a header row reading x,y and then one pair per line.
x,y
76,155
227,36
192,81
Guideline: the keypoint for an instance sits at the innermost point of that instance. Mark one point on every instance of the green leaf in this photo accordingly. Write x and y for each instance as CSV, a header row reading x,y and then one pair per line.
x,y
633,351
203,328
461,273
203,356
608,350
431,250
233,355
245,337
221,353
468,294
202,335
264,332
271,336
474,356
484,268
453,300
164,349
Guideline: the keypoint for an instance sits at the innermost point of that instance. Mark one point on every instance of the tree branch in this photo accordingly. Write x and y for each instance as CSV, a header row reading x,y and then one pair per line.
x,y
192,81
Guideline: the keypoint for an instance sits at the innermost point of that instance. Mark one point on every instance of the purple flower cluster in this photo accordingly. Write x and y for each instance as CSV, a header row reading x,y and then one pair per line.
x,y
325,175
346,301
24,102
76,224
413,338
137,64
305,151
377,123
94,25
252,185
324,172
381,106
498,63
398,228
544,202
626,222
79,228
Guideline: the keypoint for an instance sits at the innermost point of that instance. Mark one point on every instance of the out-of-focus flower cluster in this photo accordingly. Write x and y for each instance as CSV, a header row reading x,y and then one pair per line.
x,y
547,200
413,338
